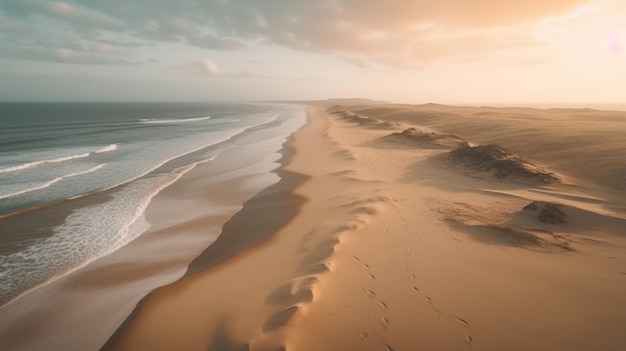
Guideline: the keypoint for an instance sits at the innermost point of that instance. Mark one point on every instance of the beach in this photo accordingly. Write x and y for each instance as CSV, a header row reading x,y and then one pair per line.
x,y
402,244
390,227
313,175
97,254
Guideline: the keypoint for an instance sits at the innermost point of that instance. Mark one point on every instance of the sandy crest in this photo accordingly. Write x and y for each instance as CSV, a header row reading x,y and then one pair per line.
x,y
397,249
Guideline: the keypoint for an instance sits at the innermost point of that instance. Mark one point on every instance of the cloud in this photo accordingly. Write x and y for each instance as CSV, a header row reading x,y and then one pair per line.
x,y
207,67
23,42
71,14
365,32
202,67
104,49
26,40
215,42
65,55
75,14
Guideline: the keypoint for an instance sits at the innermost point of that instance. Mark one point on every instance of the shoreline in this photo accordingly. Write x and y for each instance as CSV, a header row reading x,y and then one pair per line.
x,y
185,217
394,252
278,196
373,238
244,222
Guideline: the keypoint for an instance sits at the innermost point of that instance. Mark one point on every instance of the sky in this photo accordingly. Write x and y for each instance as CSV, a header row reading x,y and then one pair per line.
x,y
413,51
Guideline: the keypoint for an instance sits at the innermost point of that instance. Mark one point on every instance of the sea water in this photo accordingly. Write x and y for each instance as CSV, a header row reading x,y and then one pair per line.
x,y
55,154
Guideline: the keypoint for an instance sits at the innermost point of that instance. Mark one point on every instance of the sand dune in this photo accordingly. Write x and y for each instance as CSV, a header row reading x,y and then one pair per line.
x,y
547,212
497,227
567,218
391,251
362,121
583,143
500,162
423,139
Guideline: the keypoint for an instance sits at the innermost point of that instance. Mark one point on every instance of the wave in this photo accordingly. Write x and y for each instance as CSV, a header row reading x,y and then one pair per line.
x,y
111,147
94,231
187,152
50,182
164,121
84,236
135,177
57,160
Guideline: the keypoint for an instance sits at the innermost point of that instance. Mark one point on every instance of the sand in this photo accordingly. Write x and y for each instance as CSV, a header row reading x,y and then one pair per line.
x,y
401,243
81,310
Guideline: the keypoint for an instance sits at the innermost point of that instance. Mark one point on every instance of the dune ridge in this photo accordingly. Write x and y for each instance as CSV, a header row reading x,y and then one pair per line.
x,y
362,121
549,212
586,144
503,163
426,139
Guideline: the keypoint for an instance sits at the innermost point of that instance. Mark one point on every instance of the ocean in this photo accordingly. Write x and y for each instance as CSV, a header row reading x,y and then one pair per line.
x,y
76,178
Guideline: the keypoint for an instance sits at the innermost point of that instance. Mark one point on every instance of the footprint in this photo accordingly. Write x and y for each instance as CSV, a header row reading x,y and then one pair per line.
x,y
366,265
416,289
428,299
369,292
468,338
387,347
412,276
383,304
372,277
463,321
363,336
356,258
385,322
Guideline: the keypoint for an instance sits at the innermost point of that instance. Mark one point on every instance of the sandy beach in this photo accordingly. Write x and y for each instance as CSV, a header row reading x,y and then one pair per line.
x,y
313,175
416,227
185,218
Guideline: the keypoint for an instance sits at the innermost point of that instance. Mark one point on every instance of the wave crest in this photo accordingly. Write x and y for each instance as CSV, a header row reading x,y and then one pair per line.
x,y
50,182
166,121
27,165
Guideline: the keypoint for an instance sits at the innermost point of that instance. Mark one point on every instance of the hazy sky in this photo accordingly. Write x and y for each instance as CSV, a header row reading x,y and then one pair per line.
x,y
447,51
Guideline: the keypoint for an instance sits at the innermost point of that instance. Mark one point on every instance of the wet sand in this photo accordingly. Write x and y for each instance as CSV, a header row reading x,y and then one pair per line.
x,y
83,309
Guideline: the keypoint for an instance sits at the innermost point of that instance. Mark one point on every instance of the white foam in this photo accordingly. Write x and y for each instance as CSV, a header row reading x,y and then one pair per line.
x,y
86,235
179,120
111,147
98,230
50,182
37,163
187,152
57,160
